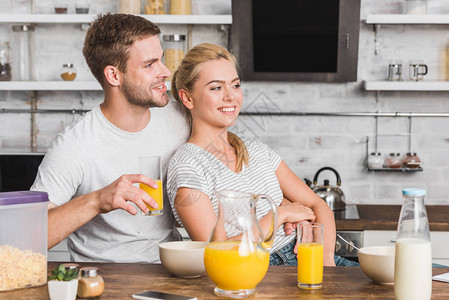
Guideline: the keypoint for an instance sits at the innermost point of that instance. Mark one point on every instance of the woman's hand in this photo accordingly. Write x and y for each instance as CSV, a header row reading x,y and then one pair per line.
x,y
295,212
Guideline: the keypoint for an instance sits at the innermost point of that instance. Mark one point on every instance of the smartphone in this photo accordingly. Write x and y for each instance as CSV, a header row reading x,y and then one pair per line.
x,y
161,296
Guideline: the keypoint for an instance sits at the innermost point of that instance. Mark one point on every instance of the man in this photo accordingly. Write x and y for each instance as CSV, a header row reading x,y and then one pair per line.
x,y
89,172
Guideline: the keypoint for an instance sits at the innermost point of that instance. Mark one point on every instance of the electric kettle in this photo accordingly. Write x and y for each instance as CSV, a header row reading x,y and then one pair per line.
x,y
333,195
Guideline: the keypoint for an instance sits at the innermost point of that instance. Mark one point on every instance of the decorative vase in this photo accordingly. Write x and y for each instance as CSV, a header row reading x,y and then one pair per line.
x,y
63,290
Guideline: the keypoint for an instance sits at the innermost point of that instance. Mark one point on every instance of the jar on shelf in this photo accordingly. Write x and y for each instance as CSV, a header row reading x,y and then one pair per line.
x,y
155,7
90,284
22,58
68,72
393,161
411,160
416,7
61,7
5,64
375,160
174,49
180,7
129,6
82,7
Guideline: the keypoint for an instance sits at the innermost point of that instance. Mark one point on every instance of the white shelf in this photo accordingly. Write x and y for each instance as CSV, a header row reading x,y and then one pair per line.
x,y
81,19
50,86
54,85
407,19
406,85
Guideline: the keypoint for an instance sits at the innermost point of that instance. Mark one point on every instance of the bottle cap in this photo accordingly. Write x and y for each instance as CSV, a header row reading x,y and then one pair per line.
x,y
20,28
89,272
414,192
174,37
69,266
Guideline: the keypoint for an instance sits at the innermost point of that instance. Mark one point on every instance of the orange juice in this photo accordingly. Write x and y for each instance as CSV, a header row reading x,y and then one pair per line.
x,y
310,263
230,271
156,194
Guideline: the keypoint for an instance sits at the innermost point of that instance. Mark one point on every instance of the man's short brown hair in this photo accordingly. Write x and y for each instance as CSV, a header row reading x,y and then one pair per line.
x,y
109,38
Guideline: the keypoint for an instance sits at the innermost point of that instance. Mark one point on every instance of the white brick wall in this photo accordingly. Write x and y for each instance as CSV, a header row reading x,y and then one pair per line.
x,y
306,143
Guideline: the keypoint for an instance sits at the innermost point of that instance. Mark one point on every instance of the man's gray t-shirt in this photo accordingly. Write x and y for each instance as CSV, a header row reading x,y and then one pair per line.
x,y
91,154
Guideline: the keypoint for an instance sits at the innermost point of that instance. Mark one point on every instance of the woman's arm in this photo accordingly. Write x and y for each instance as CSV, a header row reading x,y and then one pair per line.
x,y
195,210
295,190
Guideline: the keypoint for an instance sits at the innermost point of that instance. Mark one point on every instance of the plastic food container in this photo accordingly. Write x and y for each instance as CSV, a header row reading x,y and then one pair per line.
x,y
23,239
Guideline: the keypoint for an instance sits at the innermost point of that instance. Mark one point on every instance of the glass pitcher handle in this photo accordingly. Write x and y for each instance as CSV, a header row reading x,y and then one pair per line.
x,y
267,243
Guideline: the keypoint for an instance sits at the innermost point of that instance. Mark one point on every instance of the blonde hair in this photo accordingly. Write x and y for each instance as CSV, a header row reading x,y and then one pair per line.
x,y
187,75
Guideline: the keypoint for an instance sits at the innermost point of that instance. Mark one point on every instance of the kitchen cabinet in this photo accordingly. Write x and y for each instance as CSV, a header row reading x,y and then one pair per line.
x,y
403,19
439,239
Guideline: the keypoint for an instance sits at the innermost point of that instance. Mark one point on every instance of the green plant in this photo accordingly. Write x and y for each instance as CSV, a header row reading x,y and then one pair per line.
x,y
62,274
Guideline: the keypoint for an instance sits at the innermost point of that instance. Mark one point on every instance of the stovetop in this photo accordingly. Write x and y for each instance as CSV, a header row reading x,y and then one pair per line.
x,y
350,213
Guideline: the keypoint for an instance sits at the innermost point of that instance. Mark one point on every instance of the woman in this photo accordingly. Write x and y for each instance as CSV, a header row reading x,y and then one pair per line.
x,y
208,87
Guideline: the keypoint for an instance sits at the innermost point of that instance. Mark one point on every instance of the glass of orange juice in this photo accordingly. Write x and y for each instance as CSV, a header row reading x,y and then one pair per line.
x,y
310,255
151,166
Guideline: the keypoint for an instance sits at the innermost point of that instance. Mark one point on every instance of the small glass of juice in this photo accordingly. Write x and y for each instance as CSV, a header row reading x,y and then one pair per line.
x,y
151,166
310,255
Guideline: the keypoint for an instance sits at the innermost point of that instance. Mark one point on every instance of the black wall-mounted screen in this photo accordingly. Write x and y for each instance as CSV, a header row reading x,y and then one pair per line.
x,y
303,40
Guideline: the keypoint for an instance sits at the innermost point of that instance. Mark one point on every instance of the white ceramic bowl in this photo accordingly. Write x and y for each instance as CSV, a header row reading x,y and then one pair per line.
x,y
183,258
377,262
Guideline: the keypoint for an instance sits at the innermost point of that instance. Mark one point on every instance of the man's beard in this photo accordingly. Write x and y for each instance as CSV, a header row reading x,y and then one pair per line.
x,y
140,97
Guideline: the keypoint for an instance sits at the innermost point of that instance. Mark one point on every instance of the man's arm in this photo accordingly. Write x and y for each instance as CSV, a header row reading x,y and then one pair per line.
x,y
67,218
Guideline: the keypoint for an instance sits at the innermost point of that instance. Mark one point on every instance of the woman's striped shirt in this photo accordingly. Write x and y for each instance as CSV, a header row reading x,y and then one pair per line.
x,y
196,168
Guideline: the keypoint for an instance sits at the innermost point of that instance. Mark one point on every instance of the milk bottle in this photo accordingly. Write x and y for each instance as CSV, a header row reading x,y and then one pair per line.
x,y
413,260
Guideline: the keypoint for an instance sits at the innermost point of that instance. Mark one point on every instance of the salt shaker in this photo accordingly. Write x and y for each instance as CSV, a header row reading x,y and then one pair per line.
x,y
411,161
413,259
91,284
375,161
393,161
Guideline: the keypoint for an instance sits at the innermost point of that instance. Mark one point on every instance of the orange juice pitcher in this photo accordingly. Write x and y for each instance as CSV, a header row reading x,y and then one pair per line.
x,y
237,254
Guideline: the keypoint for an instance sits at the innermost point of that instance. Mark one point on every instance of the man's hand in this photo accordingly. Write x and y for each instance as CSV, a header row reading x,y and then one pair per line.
x,y
121,193
288,227
306,231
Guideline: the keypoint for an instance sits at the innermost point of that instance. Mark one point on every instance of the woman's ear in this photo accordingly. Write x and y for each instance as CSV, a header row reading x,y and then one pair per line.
x,y
112,75
186,98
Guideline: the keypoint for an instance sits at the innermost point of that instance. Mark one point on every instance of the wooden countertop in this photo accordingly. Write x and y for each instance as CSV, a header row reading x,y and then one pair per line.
x,y
122,280
385,217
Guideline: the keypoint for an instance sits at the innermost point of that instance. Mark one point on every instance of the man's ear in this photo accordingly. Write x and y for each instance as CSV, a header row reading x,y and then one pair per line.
x,y
186,98
112,75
